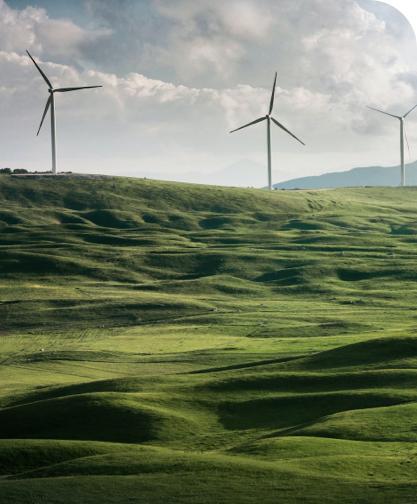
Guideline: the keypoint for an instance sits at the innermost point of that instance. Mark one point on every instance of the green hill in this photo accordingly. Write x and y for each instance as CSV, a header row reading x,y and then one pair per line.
x,y
178,343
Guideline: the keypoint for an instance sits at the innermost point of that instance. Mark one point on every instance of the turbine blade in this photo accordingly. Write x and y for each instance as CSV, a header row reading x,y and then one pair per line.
x,y
409,112
48,104
382,112
249,124
287,130
40,70
66,89
271,103
408,144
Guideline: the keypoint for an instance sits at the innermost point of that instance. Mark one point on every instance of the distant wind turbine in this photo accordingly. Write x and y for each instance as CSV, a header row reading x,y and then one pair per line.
x,y
51,103
402,135
268,118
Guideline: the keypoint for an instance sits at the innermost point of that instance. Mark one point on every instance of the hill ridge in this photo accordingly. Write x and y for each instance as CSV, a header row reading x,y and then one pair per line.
x,y
370,176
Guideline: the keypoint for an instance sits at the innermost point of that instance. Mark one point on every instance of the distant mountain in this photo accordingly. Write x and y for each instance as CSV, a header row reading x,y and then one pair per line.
x,y
370,176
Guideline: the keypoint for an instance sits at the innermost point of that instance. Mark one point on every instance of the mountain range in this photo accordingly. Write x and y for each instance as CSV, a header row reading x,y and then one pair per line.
x,y
356,177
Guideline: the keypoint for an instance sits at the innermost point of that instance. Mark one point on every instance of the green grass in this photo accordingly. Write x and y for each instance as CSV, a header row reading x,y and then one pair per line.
x,y
177,343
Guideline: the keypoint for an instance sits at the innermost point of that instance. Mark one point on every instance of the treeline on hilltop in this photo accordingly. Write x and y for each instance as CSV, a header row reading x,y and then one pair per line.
x,y
16,171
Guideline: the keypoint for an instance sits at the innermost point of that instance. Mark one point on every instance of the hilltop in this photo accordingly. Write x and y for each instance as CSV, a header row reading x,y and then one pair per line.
x,y
166,342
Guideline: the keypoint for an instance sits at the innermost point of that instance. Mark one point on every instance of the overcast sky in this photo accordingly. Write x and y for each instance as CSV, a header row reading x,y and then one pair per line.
x,y
179,74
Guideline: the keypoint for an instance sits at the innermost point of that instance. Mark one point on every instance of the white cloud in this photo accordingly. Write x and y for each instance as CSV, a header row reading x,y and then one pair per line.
x,y
31,28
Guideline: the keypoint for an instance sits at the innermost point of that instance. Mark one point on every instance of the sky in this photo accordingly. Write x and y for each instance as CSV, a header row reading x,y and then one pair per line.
x,y
179,74
406,7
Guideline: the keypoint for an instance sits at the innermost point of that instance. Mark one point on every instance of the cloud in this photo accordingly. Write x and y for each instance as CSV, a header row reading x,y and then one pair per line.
x,y
31,28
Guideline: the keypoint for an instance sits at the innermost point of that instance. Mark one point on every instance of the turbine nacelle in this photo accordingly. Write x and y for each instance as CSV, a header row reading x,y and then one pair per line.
x,y
268,116
52,90
401,118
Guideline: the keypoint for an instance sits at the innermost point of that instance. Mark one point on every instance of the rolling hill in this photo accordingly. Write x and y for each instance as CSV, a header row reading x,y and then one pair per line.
x,y
166,342
375,176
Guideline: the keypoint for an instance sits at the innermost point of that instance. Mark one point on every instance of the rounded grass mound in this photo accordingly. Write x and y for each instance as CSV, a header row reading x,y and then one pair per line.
x,y
116,417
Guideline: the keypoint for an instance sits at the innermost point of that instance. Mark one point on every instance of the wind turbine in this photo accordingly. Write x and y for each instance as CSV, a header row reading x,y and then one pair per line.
x,y
51,103
268,118
402,135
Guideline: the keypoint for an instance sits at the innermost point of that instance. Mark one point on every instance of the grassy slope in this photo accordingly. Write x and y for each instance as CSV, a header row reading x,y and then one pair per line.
x,y
166,342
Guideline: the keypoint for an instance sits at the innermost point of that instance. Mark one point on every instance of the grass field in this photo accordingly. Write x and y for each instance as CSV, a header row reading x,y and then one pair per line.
x,y
173,343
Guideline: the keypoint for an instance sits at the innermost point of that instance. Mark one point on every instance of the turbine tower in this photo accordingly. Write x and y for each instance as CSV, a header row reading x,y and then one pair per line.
x,y
268,118
51,103
403,135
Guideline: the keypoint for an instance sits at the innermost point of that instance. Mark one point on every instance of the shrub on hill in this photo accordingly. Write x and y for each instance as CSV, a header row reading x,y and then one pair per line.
x,y
16,171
